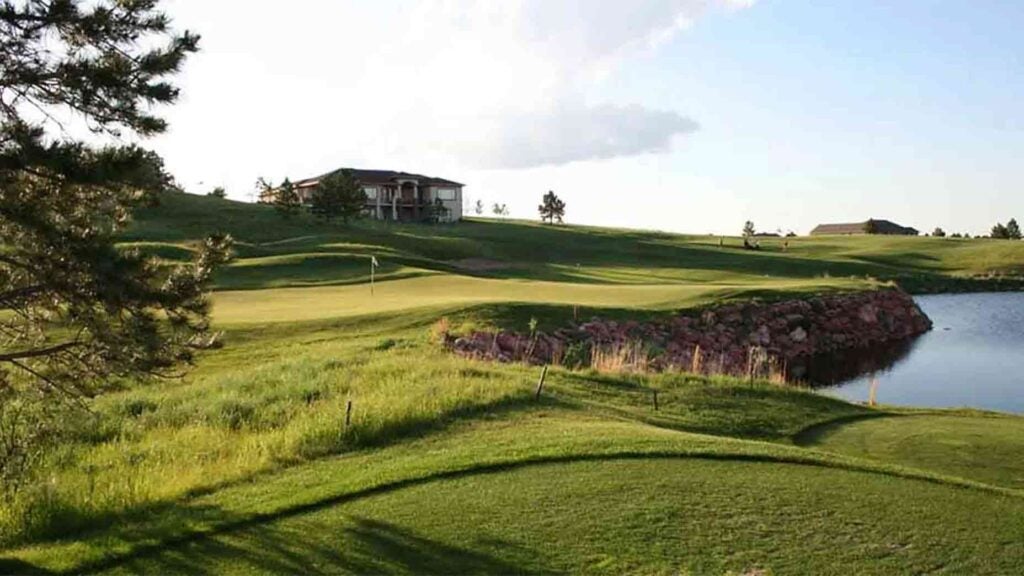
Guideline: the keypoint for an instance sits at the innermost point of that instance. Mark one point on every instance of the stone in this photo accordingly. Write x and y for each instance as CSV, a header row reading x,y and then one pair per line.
x,y
868,313
787,330
507,342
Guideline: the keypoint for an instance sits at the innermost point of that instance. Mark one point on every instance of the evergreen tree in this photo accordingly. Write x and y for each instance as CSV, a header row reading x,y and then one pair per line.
x,y
478,208
80,311
286,199
218,192
338,195
748,229
437,211
939,232
1000,232
265,193
1013,230
552,208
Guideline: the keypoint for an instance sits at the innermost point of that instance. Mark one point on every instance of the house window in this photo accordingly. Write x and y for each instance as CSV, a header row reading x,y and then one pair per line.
x,y
446,193
371,192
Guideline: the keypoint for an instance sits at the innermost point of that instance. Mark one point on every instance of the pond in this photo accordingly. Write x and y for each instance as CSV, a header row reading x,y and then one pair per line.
x,y
974,357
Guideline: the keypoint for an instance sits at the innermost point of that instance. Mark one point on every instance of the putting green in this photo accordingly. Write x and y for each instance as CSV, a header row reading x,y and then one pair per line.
x,y
298,304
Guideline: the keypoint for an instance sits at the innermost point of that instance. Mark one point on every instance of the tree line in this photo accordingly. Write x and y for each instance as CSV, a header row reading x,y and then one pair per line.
x,y
1000,231
1008,231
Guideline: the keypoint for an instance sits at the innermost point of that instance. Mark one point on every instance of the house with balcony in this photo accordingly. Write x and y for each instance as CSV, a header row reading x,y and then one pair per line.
x,y
391,195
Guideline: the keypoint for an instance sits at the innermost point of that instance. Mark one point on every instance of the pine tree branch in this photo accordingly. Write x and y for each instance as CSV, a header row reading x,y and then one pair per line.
x,y
38,352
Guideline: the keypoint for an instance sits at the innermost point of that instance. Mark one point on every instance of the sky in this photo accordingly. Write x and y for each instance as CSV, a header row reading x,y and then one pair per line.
x,y
680,115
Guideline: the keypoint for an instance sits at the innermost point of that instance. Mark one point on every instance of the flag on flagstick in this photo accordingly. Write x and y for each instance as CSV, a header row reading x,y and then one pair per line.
x,y
373,266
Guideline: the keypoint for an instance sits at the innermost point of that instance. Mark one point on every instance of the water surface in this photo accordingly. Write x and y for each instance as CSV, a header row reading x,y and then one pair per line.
x,y
974,357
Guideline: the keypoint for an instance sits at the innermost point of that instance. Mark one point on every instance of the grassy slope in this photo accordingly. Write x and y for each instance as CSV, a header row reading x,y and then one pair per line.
x,y
306,494
643,516
594,268
298,252
241,448
952,443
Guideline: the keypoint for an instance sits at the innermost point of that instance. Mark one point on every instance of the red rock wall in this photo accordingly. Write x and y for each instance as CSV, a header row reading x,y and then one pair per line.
x,y
725,335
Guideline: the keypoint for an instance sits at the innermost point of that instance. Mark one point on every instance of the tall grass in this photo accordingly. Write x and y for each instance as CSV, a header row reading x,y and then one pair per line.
x,y
269,403
629,356
634,357
763,366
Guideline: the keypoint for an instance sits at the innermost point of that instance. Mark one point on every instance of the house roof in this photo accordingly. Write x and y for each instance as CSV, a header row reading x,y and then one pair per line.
x,y
381,177
881,227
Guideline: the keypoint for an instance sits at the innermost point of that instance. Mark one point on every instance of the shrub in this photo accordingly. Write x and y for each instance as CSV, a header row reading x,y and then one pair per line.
x,y
576,355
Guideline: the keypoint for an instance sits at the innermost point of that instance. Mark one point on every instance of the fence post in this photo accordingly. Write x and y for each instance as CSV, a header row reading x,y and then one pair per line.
x,y
540,383
655,400
348,413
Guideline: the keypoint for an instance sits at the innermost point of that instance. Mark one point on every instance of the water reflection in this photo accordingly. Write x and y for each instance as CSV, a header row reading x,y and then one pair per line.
x,y
973,358
833,369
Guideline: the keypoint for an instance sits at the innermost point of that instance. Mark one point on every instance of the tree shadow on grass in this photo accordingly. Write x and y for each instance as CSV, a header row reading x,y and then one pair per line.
x,y
360,546
15,566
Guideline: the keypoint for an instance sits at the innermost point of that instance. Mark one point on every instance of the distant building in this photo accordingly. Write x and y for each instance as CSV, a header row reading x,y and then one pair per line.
x,y
884,227
391,195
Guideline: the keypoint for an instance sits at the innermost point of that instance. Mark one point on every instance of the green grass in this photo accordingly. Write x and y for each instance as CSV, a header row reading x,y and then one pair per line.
x,y
300,269
276,396
299,252
987,447
333,490
450,465
450,292
649,516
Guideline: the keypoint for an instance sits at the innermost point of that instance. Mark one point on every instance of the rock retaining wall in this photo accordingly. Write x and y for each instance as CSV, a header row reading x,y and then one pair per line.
x,y
723,338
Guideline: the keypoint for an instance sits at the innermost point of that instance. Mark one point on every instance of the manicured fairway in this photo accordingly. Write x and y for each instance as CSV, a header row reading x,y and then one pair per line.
x,y
300,304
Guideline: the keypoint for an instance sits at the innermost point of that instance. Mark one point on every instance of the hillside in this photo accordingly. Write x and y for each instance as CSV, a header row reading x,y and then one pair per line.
x,y
274,252
249,464
514,261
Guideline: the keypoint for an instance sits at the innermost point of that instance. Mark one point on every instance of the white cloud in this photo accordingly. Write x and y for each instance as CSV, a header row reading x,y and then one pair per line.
x,y
567,133
506,84
428,84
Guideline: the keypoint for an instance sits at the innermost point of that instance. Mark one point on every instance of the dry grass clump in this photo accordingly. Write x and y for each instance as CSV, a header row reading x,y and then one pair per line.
x,y
634,357
439,330
620,357
763,366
